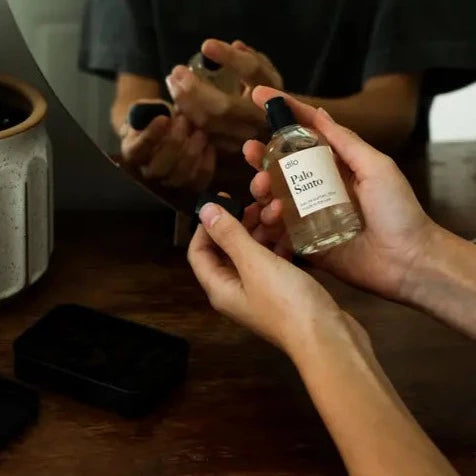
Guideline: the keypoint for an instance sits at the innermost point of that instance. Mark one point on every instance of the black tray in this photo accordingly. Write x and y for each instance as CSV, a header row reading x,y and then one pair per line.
x,y
101,359
19,406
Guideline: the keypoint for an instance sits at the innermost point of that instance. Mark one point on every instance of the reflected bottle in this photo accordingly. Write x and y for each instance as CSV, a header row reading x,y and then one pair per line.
x,y
317,210
219,76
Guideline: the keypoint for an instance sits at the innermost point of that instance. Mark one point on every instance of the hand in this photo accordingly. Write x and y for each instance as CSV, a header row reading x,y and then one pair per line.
x,y
259,289
170,150
251,66
229,120
396,228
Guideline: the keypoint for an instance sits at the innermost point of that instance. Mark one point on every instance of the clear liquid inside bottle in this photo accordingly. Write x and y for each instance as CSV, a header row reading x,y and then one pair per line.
x,y
322,229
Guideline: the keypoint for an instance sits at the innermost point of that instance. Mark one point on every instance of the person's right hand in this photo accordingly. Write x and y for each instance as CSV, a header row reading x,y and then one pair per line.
x,y
171,151
396,231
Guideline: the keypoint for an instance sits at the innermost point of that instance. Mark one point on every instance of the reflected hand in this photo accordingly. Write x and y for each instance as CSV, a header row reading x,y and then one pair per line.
x,y
229,120
396,228
170,150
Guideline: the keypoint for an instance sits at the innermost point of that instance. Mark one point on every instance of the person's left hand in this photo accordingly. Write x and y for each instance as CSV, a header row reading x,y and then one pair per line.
x,y
228,120
261,290
170,151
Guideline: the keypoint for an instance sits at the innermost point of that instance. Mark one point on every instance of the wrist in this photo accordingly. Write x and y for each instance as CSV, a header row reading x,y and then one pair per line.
x,y
442,281
429,263
334,333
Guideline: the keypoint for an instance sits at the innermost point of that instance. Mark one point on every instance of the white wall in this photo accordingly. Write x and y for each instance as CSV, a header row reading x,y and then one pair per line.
x,y
453,117
84,178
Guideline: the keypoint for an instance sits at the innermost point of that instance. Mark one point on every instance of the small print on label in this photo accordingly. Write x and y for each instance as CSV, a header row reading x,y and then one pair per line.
x,y
313,179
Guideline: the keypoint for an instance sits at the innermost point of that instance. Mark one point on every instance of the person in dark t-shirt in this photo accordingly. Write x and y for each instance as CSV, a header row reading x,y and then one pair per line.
x,y
375,65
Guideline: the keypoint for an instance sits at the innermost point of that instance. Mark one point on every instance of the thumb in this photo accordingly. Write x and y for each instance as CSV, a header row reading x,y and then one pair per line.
x,y
231,236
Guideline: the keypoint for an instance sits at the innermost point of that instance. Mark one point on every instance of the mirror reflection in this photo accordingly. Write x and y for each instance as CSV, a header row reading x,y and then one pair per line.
x,y
168,84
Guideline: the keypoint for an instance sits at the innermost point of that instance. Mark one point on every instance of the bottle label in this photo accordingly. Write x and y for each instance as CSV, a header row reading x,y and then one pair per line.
x,y
313,179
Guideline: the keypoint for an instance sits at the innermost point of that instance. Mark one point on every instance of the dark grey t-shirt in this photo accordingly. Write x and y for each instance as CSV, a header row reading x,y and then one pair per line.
x,y
321,47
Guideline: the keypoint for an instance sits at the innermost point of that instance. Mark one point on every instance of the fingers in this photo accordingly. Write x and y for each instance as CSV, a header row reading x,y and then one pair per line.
x,y
138,147
240,45
232,237
304,113
184,170
272,214
186,159
196,144
272,235
168,152
243,61
361,158
220,281
195,98
260,188
254,152
252,217
252,67
284,248
236,118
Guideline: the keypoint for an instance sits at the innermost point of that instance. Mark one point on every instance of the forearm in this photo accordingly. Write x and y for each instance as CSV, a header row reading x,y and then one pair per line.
x,y
369,423
376,125
443,281
119,112
383,113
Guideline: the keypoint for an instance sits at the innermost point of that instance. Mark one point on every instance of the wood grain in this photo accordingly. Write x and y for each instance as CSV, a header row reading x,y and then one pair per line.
x,y
243,409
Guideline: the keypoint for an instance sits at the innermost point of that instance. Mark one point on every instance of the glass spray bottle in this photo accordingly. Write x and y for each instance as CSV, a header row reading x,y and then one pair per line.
x,y
317,210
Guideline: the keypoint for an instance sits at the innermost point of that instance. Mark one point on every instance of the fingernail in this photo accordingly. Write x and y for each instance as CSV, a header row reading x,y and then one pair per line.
x,y
209,215
185,82
324,113
240,45
274,205
179,72
172,86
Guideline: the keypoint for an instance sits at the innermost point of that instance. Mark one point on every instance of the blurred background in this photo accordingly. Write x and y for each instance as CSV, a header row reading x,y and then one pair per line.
x,y
52,32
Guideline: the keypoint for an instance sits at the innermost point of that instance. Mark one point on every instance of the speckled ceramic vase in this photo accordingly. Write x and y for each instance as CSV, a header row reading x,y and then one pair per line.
x,y
26,211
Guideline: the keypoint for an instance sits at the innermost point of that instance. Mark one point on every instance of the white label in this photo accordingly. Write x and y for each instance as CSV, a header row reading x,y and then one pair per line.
x,y
313,179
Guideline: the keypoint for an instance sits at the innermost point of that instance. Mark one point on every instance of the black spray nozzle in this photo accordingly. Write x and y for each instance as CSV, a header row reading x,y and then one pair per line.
x,y
279,114
210,64
141,115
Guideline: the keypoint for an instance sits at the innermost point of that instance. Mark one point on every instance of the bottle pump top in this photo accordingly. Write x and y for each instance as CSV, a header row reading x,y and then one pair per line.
x,y
210,64
279,114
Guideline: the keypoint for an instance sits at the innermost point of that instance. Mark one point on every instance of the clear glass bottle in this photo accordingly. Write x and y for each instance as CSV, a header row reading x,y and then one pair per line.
x,y
317,210
221,77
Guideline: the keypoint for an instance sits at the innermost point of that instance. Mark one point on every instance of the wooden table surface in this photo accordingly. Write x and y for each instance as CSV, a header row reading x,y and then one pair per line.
x,y
243,409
